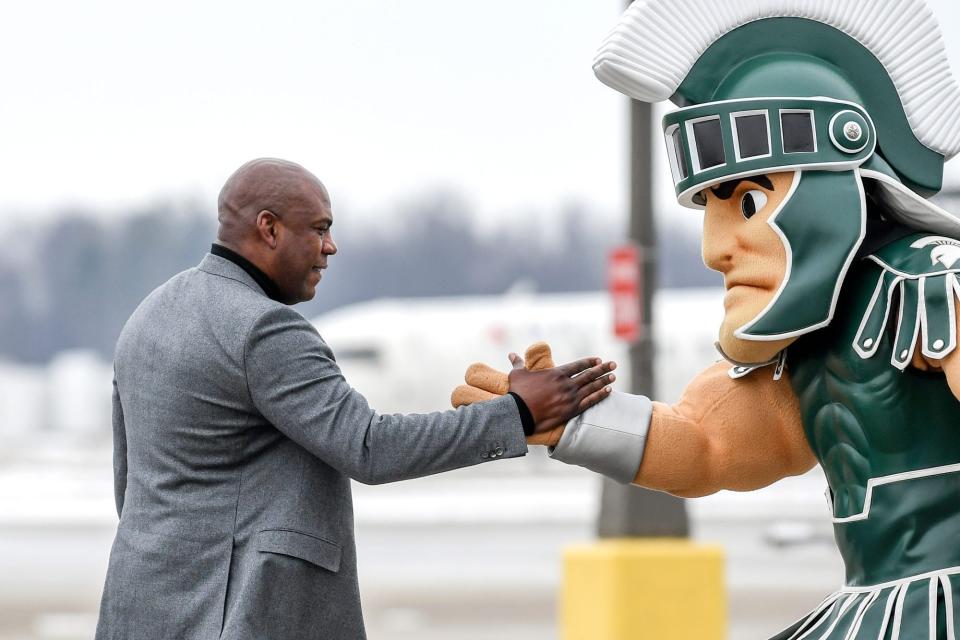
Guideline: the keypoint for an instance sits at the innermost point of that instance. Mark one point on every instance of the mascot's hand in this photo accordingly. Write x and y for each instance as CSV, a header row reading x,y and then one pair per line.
x,y
486,383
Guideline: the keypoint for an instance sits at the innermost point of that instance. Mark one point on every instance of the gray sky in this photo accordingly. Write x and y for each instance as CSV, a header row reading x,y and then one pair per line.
x,y
110,103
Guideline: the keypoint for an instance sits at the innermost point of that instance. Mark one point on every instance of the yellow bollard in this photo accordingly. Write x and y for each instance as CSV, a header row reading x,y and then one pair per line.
x,y
643,589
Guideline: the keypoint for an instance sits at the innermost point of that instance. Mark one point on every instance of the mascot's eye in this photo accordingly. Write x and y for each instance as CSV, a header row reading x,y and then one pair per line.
x,y
752,201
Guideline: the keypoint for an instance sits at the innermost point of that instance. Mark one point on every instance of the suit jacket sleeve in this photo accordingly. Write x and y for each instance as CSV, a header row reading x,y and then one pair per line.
x,y
119,450
297,386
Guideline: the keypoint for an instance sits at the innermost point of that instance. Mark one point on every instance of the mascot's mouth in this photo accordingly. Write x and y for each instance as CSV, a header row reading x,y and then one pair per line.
x,y
732,282
740,293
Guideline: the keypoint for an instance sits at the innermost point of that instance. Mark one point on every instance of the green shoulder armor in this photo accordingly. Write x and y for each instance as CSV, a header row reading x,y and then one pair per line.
x,y
918,281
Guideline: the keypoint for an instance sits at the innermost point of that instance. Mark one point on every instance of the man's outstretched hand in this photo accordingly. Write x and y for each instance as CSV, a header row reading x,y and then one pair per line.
x,y
553,395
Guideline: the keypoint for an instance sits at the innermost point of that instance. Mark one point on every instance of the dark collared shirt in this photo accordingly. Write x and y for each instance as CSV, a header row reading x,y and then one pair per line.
x,y
273,292
262,279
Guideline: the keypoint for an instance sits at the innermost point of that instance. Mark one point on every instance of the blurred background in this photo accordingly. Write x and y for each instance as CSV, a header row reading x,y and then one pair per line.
x,y
479,179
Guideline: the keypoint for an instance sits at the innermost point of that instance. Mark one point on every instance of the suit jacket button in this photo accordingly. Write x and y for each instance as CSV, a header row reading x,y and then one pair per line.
x,y
485,455
498,451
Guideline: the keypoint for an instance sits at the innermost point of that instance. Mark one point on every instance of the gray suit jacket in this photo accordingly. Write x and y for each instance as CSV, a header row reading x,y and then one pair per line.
x,y
235,438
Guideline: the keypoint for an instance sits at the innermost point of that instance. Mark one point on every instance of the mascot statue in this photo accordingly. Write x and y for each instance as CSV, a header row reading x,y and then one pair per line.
x,y
811,134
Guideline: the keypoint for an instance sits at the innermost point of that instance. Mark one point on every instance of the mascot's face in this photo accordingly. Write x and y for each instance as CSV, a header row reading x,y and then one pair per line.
x,y
739,243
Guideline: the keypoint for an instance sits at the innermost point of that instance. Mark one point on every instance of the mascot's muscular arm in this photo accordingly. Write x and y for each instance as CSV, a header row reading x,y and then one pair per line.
x,y
731,434
723,434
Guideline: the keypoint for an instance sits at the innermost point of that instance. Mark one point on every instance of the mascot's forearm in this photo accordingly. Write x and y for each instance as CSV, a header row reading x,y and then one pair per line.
x,y
723,434
726,434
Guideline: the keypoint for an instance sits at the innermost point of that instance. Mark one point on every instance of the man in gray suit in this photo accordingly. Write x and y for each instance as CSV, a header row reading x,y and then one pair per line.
x,y
236,436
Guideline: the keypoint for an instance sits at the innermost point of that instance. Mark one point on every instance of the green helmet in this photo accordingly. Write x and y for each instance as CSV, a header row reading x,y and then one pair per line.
x,y
855,96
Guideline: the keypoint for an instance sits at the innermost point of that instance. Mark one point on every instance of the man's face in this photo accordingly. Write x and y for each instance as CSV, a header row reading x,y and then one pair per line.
x,y
739,243
304,244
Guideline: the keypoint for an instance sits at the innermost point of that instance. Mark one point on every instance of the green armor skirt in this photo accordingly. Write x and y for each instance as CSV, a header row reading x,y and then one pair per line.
x,y
902,561
921,606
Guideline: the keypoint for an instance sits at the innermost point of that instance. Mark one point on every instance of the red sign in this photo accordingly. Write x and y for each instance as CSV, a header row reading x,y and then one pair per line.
x,y
623,278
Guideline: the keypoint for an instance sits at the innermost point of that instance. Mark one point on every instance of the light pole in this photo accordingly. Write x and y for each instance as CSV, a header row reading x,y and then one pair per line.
x,y
630,511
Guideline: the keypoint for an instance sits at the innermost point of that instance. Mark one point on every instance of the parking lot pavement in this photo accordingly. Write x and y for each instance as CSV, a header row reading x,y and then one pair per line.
x,y
469,555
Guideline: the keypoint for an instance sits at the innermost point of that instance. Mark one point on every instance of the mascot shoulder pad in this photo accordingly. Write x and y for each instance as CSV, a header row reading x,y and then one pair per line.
x,y
918,280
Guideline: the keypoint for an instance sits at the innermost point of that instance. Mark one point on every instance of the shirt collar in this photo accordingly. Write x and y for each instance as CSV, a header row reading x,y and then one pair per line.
x,y
269,287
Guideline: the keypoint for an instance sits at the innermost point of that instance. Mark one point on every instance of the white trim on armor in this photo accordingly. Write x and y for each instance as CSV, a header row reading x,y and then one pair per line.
x,y
911,208
891,599
911,276
932,603
781,366
952,343
948,609
739,333
892,607
858,619
868,351
847,603
685,198
955,292
826,615
829,600
736,135
920,325
890,479
771,221
898,612
672,153
836,143
694,147
773,100
646,57
926,241
896,360
880,586
813,127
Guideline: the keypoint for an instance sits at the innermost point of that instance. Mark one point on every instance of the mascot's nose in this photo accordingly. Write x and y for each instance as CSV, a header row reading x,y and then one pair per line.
x,y
718,245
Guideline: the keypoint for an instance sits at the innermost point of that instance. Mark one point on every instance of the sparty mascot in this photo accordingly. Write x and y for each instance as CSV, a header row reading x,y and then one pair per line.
x,y
811,134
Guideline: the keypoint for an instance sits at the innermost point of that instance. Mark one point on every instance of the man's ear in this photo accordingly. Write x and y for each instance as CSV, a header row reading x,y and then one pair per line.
x,y
267,227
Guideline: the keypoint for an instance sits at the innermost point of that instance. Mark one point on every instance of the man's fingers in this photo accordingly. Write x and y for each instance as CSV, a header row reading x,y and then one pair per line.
x,y
465,394
596,385
593,373
487,378
594,398
538,357
575,367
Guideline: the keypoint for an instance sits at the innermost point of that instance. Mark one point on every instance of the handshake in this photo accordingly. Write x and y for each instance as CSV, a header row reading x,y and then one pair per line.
x,y
553,395
571,409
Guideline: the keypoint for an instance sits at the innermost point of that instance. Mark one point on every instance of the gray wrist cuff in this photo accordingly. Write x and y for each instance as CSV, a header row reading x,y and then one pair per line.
x,y
608,438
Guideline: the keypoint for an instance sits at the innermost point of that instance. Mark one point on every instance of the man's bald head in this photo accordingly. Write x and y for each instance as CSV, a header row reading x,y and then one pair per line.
x,y
277,215
264,184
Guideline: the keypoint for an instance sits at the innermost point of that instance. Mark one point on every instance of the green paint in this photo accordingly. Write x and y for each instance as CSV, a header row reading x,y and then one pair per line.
x,y
822,221
826,153
865,419
800,57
